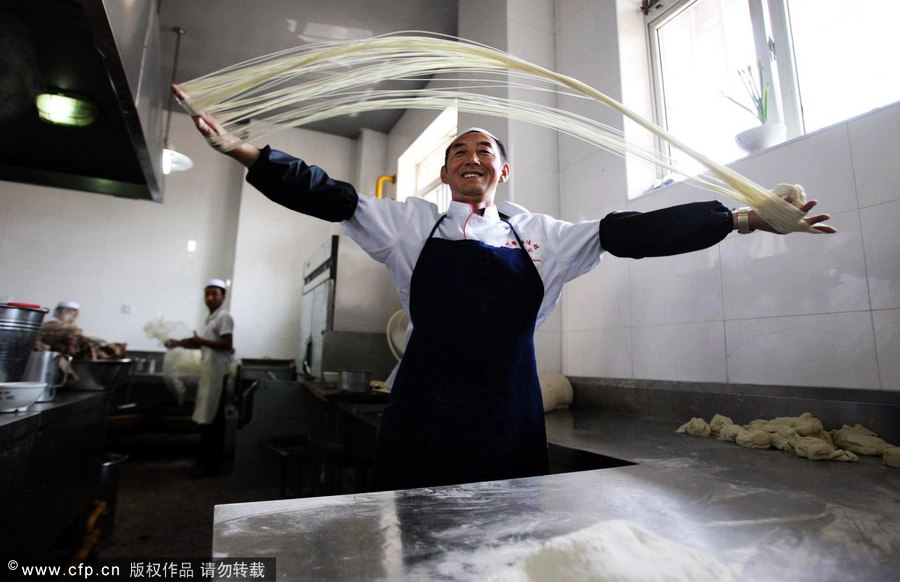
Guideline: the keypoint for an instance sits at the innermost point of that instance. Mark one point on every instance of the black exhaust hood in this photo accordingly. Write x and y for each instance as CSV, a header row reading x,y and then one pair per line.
x,y
107,51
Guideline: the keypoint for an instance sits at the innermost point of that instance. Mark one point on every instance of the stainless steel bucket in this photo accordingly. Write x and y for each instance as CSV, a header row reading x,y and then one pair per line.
x,y
47,368
19,327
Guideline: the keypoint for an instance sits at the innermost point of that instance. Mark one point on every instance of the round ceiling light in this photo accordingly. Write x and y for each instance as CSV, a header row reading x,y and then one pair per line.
x,y
175,161
63,108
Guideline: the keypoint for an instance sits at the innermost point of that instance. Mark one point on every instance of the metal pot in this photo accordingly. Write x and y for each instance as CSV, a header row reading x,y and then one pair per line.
x,y
355,380
19,327
48,368
98,375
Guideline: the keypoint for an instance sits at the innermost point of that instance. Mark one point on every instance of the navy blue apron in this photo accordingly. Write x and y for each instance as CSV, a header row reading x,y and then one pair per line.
x,y
466,402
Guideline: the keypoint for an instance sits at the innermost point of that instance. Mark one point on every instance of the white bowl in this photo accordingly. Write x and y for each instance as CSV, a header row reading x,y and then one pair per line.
x,y
18,396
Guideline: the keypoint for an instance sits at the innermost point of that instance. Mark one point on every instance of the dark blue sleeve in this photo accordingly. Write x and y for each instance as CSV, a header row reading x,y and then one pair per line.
x,y
668,231
294,184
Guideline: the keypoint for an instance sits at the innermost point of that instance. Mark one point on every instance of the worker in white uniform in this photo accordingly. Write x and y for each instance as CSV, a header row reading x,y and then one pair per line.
x,y
216,345
66,312
476,280
59,332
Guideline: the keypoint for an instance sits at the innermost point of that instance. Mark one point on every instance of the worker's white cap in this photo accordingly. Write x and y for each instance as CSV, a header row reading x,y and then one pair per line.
x,y
216,283
68,305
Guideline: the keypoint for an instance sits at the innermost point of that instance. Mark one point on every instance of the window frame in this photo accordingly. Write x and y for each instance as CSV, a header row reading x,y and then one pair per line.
x,y
773,47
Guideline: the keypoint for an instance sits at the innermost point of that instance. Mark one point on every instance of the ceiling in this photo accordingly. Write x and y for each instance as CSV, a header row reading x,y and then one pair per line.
x,y
219,33
72,45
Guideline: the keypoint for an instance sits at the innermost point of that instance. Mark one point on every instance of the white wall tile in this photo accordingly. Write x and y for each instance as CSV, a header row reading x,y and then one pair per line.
x,y
814,350
680,289
875,151
600,299
887,345
537,14
592,184
553,322
548,351
592,27
537,189
767,275
881,238
532,43
819,162
686,352
532,145
602,353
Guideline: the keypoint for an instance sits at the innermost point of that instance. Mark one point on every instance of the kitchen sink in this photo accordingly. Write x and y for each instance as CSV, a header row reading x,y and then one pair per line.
x,y
568,460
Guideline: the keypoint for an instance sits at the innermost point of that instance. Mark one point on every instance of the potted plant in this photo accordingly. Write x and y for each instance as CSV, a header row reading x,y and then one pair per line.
x,y
766,133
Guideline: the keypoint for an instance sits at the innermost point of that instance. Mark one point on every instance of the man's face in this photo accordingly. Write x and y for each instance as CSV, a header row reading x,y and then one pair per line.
x,y
68,315
213,297
473,169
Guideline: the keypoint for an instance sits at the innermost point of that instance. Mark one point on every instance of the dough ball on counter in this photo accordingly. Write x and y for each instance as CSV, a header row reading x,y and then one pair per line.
x,y
695,427
802,435
556,391
892,457
819,450
718,423
859,440
754,439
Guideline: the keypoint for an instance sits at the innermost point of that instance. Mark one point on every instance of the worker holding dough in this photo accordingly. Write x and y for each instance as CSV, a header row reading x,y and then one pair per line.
x,y
476,280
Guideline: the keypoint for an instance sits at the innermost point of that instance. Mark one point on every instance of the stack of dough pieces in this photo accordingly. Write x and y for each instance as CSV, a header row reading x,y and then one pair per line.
x,y
802,435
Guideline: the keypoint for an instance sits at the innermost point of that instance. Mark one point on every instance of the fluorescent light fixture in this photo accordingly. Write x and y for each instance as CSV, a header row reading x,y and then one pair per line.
x,y
318,32
64,108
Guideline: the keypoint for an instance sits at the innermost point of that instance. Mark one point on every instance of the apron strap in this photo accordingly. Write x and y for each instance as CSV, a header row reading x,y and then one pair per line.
x,y
516,234
436,225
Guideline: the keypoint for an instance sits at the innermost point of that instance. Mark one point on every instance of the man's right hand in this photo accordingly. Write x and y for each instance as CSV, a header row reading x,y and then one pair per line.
x,y
218,137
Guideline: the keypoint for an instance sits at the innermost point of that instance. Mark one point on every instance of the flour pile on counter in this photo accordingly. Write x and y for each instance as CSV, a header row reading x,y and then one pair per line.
x,y
802,435
615,550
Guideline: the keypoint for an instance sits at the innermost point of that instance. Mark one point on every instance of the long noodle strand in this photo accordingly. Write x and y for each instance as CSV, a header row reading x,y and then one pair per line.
x,y
320,81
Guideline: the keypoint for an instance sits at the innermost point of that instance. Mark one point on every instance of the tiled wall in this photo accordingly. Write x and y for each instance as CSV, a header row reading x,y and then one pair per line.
x,y
758,309
126,261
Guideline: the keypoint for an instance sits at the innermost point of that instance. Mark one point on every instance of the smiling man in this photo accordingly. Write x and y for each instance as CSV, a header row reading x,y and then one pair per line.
x,y
476,280
475,163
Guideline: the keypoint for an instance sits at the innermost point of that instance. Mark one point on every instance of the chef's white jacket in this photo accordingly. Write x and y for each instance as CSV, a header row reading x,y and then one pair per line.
x,y
395,232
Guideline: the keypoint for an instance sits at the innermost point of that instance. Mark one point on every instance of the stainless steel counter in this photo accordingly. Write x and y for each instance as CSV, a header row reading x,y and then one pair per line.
x,y
764,514
50,462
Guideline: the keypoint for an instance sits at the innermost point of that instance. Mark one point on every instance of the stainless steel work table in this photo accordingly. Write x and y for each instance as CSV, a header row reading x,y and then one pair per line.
x,y
766,514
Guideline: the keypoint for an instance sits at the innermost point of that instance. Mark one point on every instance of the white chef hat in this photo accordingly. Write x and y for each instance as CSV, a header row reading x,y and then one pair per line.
x,y
68,305
216,283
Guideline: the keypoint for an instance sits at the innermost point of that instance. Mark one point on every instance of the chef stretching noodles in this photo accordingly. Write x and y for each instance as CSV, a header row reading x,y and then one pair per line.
x,y
477,280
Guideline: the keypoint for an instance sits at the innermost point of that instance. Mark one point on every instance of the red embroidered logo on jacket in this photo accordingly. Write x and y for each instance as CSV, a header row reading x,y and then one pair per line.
x,y
532,247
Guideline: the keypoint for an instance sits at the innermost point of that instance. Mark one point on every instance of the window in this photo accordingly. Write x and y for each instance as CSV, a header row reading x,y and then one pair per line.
x,y
822,61
419,167
845,74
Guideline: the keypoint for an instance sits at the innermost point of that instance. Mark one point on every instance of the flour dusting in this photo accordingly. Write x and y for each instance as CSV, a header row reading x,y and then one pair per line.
x,y
616,550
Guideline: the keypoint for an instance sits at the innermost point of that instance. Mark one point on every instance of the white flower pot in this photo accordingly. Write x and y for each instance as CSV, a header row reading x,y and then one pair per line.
x,y
761,137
